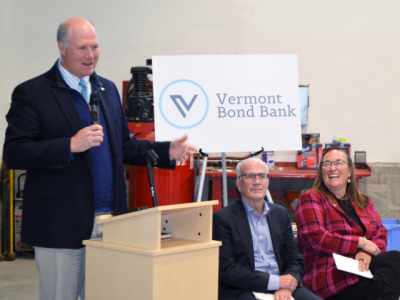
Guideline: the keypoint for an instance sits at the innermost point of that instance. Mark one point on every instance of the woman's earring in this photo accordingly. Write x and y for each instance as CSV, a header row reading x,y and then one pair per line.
x,y
348,180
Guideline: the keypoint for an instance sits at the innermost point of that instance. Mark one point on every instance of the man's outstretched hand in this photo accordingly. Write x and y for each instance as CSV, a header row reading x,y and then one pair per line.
x,y
180,150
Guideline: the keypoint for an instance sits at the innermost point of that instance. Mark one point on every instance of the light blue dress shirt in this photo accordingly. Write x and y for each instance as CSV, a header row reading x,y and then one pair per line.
x,y
264,255
72,80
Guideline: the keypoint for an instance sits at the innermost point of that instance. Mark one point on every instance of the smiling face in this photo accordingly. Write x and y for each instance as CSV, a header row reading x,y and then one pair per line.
x,y
335,177
81,53
252,190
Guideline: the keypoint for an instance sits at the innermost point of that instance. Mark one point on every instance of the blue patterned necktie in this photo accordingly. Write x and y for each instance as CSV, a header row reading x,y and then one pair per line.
x,y
84,90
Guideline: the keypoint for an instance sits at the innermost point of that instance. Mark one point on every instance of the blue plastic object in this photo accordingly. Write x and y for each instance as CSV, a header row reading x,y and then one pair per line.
x,y
390,221
393,234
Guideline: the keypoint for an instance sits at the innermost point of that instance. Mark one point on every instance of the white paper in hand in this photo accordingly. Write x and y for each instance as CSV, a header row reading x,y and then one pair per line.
x,y
263,296
350,265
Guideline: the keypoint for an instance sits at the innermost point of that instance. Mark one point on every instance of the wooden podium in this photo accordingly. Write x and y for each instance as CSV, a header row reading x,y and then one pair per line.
x,y
133,262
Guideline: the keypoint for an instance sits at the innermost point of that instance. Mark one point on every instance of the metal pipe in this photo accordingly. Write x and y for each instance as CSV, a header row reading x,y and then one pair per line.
x,y
224,180
202,176
269,198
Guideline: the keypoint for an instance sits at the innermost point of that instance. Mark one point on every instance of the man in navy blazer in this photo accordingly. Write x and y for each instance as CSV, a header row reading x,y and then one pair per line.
x,y
258,252
74,169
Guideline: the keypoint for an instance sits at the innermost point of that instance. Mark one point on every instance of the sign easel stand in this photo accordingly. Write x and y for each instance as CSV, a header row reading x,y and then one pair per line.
x,y
224,177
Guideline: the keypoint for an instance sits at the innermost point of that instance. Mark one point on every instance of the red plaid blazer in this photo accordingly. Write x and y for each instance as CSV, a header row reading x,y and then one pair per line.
x,y
323,229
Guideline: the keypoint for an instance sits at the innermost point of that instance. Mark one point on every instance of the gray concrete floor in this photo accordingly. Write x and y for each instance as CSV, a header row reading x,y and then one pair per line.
x,y
19,279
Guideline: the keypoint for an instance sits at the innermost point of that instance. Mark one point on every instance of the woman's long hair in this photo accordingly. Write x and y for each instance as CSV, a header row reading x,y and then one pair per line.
x,y
352,192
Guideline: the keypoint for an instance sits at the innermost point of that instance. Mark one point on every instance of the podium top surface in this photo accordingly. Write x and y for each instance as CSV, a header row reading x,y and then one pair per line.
x,y
165,210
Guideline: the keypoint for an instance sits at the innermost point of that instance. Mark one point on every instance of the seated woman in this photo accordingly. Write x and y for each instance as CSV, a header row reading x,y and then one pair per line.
x,y
334,217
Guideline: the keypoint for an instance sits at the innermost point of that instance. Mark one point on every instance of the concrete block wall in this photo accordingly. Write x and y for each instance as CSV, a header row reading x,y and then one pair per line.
x,y
384,189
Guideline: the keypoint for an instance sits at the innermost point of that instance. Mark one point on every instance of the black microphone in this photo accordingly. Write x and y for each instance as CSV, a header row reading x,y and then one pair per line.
x,y
152,160
94,107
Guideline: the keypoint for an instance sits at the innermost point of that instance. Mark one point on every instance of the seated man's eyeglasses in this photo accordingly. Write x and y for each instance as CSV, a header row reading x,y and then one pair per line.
x,y
252,176
339,163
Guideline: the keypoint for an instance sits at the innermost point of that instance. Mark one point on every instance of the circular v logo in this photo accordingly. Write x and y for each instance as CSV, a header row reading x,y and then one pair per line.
x,y
183,104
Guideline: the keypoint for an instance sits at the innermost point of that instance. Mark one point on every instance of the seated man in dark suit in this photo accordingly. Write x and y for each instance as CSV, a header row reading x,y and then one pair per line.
x,y
258,252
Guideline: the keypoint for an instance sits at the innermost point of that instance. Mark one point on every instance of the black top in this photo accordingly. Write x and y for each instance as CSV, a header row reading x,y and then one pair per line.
x,y
348,209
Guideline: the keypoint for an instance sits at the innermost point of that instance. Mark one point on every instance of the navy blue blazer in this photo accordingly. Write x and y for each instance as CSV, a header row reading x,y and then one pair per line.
x,y
237,272
58,205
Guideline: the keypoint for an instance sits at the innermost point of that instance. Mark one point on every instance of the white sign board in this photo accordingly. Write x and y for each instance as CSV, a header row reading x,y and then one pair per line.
x,y
228,103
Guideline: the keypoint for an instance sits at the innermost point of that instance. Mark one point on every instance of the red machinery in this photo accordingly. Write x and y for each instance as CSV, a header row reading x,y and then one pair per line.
x,y
172,186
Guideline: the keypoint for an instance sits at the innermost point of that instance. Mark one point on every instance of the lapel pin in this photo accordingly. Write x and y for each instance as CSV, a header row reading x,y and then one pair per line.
x,y
103,89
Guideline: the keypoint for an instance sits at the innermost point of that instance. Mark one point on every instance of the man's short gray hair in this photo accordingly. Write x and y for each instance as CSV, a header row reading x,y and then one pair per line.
x,y
62,33
239,165
238,169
